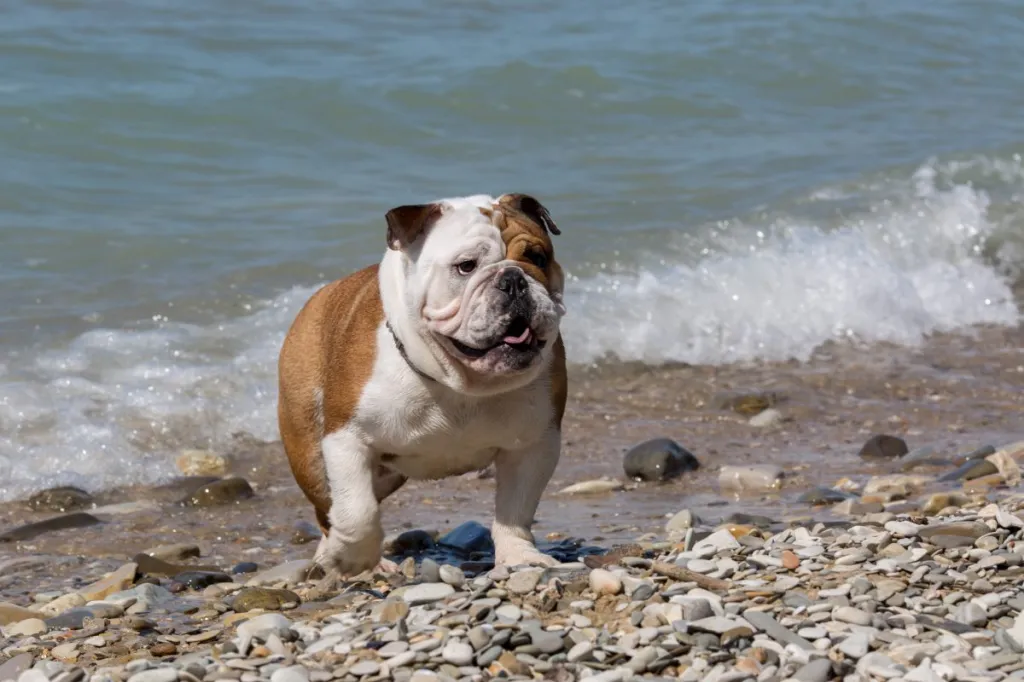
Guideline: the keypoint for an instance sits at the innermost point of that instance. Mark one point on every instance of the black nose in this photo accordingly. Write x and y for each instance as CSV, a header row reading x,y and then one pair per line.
x,y
512,282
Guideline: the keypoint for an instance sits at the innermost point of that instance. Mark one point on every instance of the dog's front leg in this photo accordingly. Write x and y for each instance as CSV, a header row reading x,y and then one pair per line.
x,y
353,543
521,476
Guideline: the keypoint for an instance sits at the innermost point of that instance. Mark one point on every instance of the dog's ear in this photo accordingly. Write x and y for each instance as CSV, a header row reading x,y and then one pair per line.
x,y
532,208
407,223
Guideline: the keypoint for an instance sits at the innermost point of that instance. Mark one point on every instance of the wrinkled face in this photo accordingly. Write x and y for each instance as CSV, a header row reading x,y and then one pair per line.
x,y
485,283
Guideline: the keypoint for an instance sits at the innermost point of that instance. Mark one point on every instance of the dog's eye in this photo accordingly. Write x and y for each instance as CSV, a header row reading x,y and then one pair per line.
x,y
538,258
466,267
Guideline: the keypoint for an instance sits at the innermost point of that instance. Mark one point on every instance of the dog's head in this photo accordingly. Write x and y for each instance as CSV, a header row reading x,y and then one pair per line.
x,y
480,282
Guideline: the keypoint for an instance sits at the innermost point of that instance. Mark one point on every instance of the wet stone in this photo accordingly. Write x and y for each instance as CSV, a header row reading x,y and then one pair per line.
x,y
304,532
747,404
62,499
970,470
658,459
266,599
221,492
200,580
823,496
245,567
34,530
883,446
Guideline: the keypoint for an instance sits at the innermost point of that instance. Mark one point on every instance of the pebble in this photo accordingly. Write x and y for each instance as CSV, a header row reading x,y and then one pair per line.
x,y
452,575
899,594
225,491
856,645
525,581
167,674
363,668
750,479
594,487
659,459
818,670
849,614
26,628
884,446
604,582
457,653
427,593
766,419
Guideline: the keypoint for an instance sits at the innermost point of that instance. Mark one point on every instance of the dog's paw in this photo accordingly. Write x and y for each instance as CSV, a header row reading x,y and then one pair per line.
x,y
527,555
348,557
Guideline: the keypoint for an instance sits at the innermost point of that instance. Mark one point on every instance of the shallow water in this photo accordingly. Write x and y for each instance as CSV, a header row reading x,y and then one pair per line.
x,y
952,394
735,182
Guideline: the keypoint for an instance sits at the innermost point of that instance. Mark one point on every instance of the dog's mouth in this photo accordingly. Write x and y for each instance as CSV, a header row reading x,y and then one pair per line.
x,y
518,337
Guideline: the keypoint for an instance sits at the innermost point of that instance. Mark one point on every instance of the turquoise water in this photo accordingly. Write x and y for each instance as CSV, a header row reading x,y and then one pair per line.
x,y
735,181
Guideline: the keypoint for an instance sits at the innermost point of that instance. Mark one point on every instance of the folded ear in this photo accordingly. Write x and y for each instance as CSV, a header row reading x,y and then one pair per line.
x,y
407,223
529,206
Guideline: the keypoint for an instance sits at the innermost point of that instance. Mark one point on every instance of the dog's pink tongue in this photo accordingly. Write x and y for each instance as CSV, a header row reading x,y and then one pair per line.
x,y
522,338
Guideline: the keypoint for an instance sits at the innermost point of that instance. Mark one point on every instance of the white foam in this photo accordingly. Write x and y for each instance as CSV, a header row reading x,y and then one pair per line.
x,y
910,267
114,407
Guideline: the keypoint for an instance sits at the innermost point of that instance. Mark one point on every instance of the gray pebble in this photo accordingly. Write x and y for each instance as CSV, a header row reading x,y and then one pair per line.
x,y
427,593
155,675
362,669
818,670
293,673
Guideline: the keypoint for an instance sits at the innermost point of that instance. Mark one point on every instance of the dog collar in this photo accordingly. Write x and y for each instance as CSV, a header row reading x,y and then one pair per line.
x,y
405,356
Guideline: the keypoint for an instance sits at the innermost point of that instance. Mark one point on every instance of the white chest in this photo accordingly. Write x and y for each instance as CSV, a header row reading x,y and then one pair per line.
x,y
426,431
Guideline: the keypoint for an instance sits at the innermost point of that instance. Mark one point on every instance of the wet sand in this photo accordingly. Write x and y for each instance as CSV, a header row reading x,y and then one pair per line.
x,y
955,393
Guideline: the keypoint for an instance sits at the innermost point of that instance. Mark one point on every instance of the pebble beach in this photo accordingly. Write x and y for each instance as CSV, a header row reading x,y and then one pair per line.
x,y
899,561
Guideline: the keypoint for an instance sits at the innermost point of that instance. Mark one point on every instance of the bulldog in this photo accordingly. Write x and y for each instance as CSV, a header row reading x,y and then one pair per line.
x,y
441,360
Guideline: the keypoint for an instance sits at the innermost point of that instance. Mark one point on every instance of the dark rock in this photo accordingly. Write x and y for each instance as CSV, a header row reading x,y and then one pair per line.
x,y
749,520
971,469
33,530
224,491
824,496
304,533
149,565
643,592
252,598
200,580
245,567
467,538
412,542
63,499
658,460
884,447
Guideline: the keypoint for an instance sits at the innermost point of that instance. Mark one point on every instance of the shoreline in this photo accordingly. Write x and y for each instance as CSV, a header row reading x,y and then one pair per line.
x,y
946,400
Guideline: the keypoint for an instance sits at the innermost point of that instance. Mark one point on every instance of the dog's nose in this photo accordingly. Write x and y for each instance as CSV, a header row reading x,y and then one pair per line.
x,y
513,283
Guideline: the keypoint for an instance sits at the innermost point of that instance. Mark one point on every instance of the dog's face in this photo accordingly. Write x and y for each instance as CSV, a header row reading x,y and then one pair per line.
x,y
482,280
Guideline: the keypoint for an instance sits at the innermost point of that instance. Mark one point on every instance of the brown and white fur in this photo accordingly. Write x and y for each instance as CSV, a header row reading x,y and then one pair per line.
x,y
443,359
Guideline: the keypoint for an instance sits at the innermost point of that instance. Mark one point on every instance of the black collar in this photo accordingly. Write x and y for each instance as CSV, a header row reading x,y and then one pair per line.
x,y
405,356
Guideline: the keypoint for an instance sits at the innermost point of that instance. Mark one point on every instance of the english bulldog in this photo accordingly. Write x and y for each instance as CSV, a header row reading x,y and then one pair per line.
x,y
441,360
